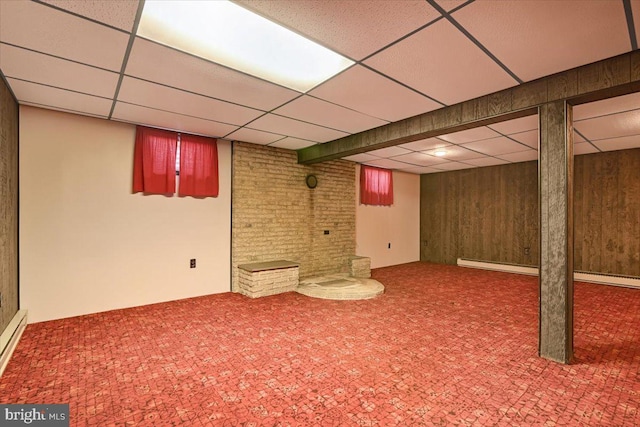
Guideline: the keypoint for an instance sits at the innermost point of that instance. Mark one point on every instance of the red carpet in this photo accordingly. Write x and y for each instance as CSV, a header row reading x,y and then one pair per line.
x,y
443,346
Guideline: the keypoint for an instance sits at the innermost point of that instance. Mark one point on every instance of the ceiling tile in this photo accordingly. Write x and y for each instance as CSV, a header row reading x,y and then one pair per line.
x,y
583,148
577,137
606,106
323,113
529,138
516,125
154,62
292,143
165,120
449,5
496,146
38,68
254,136
469,135
611,126
455,152
152,95
389,151
389,100
522,156
452,166
36,26
117,13
420,159
386,163
486,161
49,97
348,27
425,144
295,128
442,72
622,143
361,158
558,34
419,170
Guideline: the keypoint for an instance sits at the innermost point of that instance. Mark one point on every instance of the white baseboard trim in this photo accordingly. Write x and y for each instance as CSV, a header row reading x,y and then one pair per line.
x,y
582,276
10,337
509,268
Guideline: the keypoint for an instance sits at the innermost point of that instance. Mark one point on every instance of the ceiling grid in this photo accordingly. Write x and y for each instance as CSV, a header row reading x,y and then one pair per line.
x,y
410,57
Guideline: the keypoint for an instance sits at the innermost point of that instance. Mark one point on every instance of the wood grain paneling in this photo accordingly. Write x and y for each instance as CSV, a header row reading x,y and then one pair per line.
x,y
607,212
486,213
491,214
8,205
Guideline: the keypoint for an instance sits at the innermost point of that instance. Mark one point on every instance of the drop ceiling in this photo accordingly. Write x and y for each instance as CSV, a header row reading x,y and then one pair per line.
x,y
411,57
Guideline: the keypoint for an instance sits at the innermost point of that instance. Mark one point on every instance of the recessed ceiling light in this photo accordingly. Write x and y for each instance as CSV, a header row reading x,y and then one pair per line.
x,y
230,35
440,153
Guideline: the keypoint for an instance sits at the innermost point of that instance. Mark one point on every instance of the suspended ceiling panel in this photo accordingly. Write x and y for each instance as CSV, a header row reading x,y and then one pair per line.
x,y
117,13
558,34
411,57
451,56
58,99
163,119
154,62
355,29
388,100
51,71
44,29
314,110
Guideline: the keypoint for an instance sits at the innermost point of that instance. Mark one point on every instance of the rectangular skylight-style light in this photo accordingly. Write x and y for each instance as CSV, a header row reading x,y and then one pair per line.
x,y
228,34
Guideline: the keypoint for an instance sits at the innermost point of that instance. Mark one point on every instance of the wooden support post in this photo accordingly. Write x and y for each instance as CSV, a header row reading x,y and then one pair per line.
x,y
556,231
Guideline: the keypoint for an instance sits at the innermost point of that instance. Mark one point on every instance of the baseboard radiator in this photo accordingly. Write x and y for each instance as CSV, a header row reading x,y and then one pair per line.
x,y
581,276
10,337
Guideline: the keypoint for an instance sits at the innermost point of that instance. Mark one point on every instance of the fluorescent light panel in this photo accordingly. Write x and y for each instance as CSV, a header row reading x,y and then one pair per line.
x,y
230,35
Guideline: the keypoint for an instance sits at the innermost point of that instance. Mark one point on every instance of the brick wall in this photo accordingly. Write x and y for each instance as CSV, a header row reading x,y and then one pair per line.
x,y
275,216
8,205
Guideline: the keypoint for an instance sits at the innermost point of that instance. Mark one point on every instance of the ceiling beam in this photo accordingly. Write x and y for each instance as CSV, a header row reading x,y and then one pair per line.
x,y
610,77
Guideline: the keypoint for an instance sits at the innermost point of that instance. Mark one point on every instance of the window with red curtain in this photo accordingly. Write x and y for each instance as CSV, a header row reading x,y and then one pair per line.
x,y
154,161
376,186
198,166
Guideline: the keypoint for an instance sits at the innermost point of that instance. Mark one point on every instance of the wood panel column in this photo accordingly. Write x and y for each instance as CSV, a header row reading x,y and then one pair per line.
x,y
556,231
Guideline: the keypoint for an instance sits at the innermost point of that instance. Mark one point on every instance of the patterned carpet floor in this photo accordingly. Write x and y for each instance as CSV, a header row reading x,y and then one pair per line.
x,y
443,346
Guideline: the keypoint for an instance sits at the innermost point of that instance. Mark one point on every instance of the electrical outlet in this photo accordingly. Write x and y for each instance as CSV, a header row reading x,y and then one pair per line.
x,y
527,250
192,263
326,231
389,246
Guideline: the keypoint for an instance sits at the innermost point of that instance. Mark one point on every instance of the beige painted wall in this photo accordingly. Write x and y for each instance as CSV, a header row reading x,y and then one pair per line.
x,y
399,224
87,244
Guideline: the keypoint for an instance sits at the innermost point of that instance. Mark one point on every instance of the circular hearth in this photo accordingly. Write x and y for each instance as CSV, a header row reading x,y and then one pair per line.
x,y
340,287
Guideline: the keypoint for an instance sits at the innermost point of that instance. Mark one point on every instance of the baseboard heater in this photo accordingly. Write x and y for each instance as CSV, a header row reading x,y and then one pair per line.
x,y
582,276
10,337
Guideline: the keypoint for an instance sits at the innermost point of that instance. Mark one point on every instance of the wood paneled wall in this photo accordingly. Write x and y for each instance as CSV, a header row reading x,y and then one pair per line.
x,y
488,213
607,212
8,205
491,214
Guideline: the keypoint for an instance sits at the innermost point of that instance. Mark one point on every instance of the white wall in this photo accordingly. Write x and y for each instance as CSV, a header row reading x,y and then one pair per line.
x,y
399,224
87,244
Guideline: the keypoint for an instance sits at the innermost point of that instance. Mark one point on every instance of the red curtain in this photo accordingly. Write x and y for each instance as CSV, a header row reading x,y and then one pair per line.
x,y
198,166
154,161
376,186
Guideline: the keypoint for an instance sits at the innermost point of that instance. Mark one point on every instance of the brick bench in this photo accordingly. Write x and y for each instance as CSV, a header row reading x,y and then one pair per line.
x,y
260,279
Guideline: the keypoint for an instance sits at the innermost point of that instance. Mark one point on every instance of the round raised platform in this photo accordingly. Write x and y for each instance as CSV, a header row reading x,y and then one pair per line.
x,y
340,287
